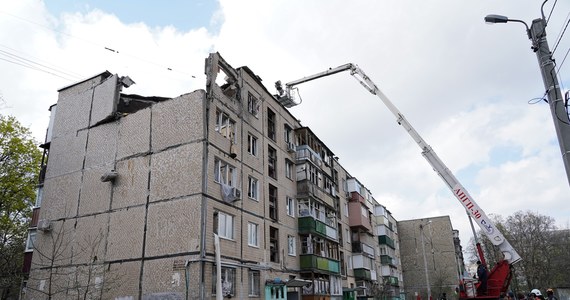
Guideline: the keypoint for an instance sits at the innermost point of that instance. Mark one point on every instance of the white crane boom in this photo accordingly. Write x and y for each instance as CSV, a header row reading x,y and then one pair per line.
x,y
473,210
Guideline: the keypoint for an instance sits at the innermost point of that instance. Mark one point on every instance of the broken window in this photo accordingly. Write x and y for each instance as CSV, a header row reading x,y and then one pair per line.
x,y
224,173
271,119
251,144
225,126
272,162
273,202
273,244
252,104
228,281
252,189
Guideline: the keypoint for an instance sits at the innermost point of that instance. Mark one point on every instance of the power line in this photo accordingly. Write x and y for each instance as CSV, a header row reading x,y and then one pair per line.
x,y
37,64
563,31
110,49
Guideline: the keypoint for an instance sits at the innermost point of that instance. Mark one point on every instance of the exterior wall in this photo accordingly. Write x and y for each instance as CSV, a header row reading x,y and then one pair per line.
x,y
149,233
442,264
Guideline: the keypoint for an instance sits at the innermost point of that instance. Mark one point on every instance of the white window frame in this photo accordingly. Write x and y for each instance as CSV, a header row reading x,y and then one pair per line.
x,y
253,105
225,225
224,173
288,169
291,245
31,240
225,126
252,234
251,144
253,188
39,196
254,283
346,209
226,272
291,206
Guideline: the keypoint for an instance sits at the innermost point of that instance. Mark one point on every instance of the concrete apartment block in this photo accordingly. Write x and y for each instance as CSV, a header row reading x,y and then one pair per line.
x,y
137,187
442,263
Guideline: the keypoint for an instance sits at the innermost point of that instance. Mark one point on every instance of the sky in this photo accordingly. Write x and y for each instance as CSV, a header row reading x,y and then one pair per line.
x,y
472,90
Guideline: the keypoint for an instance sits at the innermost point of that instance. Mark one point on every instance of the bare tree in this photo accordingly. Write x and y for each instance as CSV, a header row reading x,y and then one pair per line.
x,y
54,270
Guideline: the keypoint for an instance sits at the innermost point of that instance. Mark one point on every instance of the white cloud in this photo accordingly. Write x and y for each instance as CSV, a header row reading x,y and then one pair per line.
x,y
462,84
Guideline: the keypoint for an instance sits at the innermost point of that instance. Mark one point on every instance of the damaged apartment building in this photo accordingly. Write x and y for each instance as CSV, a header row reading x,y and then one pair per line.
x,y
216,192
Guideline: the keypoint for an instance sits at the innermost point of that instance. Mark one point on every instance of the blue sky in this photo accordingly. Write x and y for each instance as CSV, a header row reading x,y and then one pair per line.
x,y
182,14
464,85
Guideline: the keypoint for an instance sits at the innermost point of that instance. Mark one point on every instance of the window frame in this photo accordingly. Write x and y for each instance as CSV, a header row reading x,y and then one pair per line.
x,y
252,144
271,124
291,245
289,169
291,206
225,125
227,230
223,171
253,105
254,283
253,234
30,240
271,162
273,202
225,272
253,188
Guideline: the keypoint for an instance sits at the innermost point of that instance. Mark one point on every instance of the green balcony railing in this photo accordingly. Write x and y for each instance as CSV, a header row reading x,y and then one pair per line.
x,y
362,274
386,240
310,225
314,262
386,260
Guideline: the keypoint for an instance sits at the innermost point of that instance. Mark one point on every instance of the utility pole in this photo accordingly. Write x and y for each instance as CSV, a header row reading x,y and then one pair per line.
x,y
537,35
555,99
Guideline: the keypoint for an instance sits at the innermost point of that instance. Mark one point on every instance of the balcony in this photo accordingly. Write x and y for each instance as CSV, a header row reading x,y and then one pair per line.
x,y
309,225
386,260
358,216
318,263
362,274
358,247
386,240
391,280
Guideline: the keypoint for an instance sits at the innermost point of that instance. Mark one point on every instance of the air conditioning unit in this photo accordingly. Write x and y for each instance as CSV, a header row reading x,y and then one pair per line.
x,y
291,147
44,225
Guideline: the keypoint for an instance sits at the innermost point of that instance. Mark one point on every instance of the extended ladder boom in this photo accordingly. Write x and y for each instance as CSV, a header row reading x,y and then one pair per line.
x,y
474,211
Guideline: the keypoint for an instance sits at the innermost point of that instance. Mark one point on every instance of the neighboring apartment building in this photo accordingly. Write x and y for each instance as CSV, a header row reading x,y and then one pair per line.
x,y
429,246
136,188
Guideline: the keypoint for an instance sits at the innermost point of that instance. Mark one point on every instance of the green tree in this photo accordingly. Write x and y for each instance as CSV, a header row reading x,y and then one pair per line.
x,y
19,166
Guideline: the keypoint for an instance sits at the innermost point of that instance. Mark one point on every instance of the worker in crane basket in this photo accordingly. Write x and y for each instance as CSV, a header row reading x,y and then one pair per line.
x,y
550,295
482,275
535,294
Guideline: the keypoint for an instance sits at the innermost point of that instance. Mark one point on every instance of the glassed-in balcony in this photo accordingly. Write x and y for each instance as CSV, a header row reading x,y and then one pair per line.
x,y
309,225
386,240
362,274
318,263
391,280
386,260
359,247
358,216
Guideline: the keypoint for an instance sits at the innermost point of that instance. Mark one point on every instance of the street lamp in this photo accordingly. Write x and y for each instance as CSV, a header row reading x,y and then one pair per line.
x,y
537,34
425,260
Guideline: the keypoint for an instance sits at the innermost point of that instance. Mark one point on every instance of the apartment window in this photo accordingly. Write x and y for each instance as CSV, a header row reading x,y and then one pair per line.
x,y
288,132
272,162
252,104
291,245
273,244
225,225
228,281
253,234
251,145
39,196
347,235
225,125
342,264
271,120
31,240
290,206
254,283
288,169
252,188
339,233
346,209
224,173
272,202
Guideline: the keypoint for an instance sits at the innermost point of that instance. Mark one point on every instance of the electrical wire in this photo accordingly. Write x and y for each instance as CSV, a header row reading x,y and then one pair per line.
x,y
110,49
38,65
561,34
552,10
